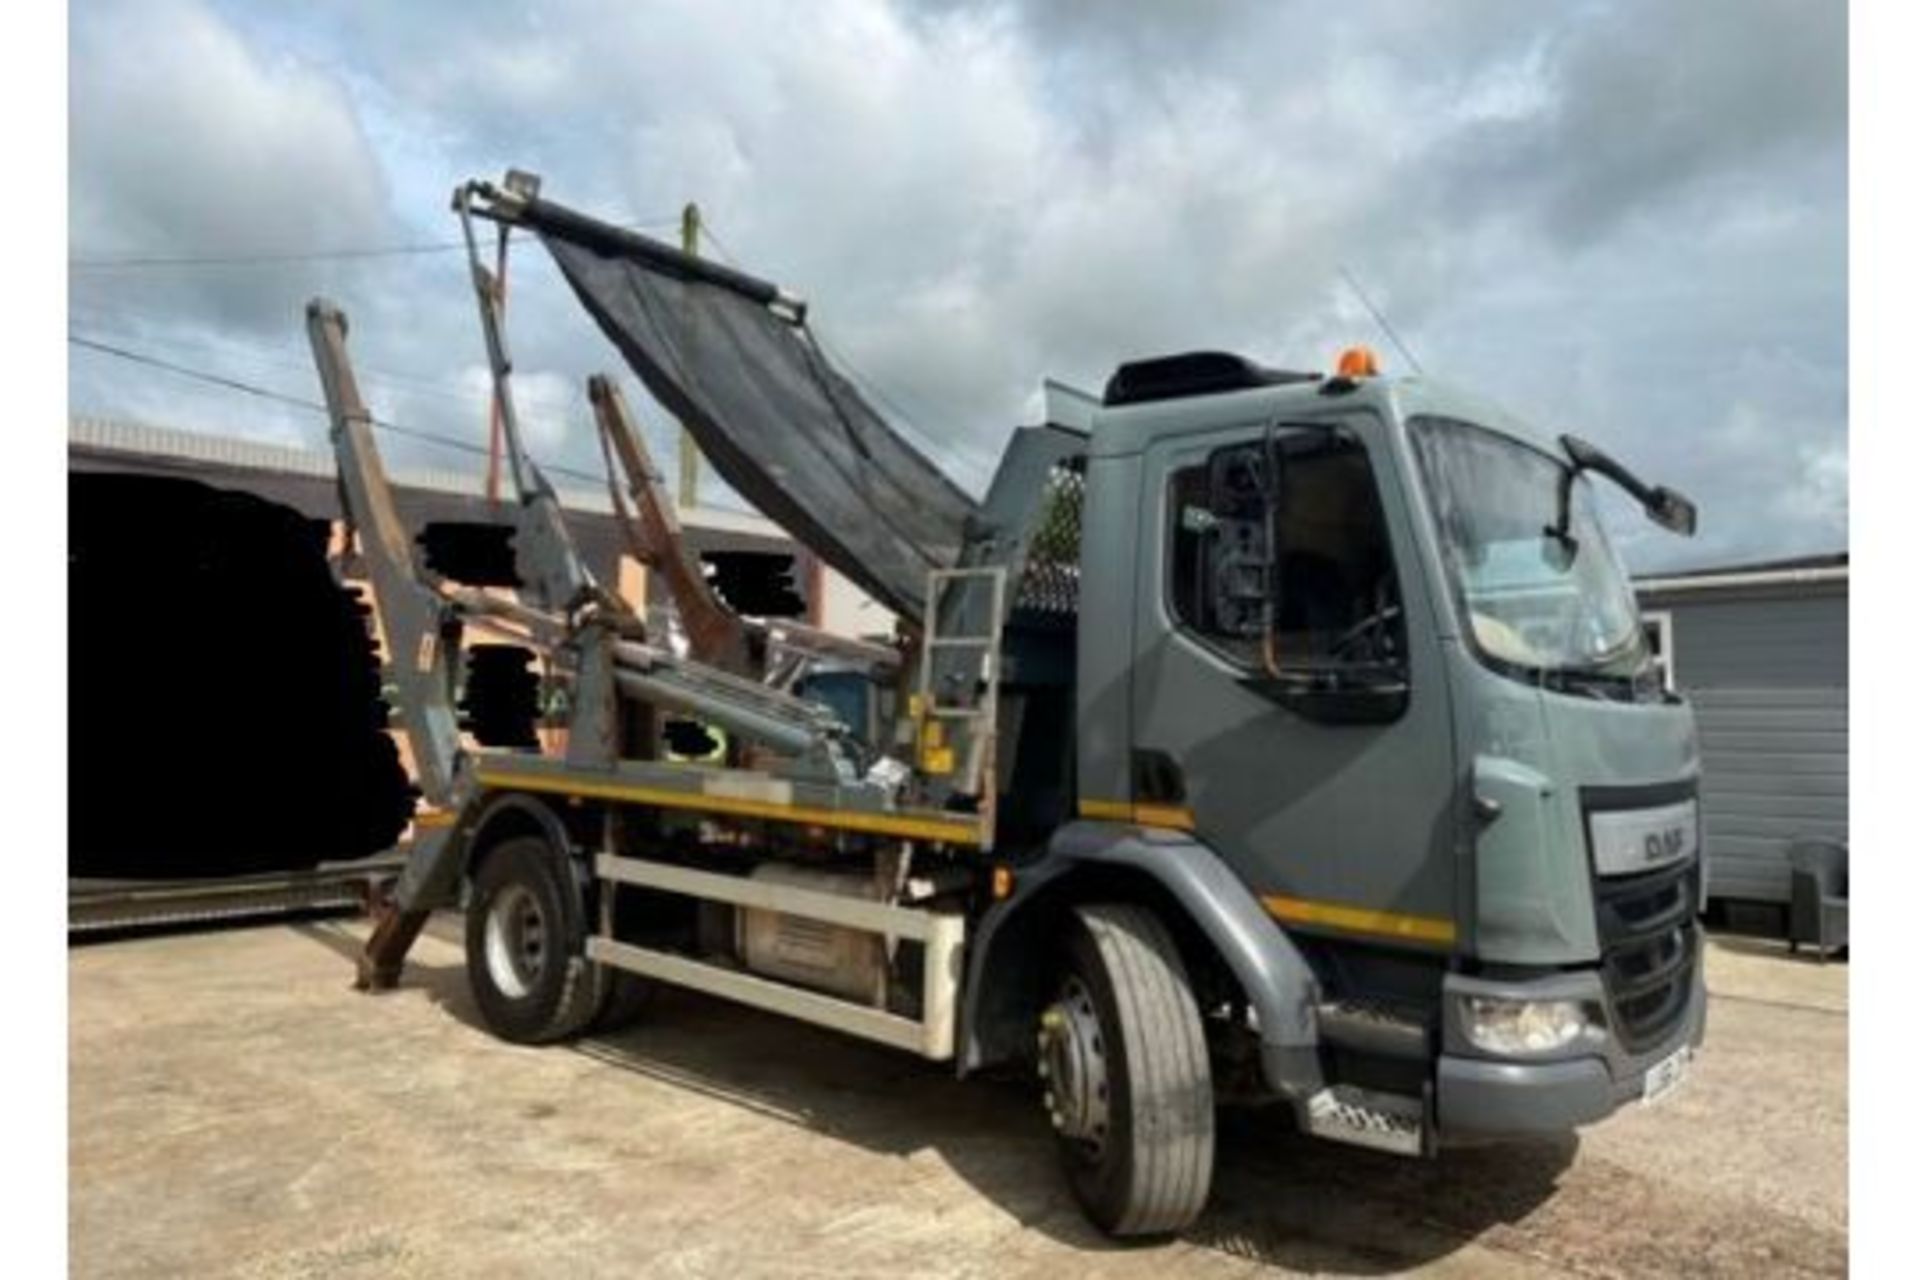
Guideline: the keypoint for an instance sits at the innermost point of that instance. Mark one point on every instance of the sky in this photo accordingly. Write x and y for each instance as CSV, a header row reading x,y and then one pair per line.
x,y
1622,219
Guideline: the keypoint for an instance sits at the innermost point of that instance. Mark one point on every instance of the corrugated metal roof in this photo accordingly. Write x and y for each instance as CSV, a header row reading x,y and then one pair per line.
x,y
117,435
1824,571
139,439
1824,560
1739,580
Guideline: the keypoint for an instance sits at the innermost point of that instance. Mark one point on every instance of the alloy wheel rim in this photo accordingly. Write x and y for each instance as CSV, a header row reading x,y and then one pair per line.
x,y
515,941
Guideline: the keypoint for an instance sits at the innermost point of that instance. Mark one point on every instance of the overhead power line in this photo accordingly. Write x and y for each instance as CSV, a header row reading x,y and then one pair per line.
x,y
313,406
347,254
259,354
261,259
721,251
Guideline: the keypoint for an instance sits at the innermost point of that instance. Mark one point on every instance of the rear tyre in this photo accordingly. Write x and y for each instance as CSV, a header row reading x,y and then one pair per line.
x,y
526,945
1124,1059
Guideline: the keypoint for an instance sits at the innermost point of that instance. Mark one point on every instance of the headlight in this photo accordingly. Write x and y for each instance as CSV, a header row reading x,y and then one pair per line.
x,y
1523,1026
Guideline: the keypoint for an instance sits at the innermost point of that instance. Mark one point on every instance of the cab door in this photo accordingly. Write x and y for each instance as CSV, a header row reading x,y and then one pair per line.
x,y
1288,698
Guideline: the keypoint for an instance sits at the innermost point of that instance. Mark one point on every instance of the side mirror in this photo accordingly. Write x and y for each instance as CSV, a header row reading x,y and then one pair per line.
x,y
1673,511
1240,539
1237,483
1665,507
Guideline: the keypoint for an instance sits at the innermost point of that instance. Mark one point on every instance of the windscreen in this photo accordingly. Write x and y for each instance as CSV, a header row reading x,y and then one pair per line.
x,y
785,429
1532,600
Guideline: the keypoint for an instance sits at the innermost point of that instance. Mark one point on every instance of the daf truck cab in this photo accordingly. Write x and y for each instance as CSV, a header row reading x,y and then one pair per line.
x,y
1361,678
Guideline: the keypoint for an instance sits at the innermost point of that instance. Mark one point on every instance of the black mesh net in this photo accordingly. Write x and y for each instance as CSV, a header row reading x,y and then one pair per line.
x,y
1051,583
781,425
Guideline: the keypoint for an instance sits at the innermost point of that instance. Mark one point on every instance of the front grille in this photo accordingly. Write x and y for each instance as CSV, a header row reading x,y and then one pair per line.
x,y
1648,949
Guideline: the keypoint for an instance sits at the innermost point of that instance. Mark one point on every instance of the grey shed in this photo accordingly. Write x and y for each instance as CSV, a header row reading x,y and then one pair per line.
x,y
1762,651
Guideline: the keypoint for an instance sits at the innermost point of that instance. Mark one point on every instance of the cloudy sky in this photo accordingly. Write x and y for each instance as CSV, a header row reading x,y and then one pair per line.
x,y
1622,219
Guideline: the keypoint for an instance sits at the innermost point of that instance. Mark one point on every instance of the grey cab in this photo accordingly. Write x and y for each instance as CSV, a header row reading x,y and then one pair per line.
x,y
1369,646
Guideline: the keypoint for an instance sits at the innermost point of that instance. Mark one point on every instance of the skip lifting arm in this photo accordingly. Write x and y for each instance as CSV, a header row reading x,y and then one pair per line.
x,y
588,635
422,623
592,639
714,633
415,621
417,625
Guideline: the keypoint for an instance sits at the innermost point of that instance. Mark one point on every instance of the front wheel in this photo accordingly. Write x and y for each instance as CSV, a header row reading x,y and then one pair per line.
x,y
1123,1056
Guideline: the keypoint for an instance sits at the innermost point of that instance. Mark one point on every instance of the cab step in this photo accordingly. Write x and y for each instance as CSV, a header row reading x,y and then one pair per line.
x,y
1366,1118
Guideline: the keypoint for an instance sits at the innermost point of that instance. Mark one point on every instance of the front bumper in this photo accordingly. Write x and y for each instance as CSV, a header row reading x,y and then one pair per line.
x,y
1479,1097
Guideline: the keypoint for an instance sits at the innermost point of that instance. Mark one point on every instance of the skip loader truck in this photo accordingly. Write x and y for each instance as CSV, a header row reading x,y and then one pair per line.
x,y
1287,736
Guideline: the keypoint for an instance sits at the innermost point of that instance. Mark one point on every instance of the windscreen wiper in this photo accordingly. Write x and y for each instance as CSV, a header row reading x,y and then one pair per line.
x,y
1605,686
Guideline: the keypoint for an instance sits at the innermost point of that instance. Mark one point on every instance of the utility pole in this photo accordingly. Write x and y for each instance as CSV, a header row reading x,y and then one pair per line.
x,y
689,451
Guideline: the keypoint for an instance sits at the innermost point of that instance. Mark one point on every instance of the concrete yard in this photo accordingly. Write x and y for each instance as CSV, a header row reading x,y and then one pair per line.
x,y
236,1110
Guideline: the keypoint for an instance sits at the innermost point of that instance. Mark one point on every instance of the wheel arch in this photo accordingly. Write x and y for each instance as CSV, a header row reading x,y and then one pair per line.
x,y
1219,926
510,814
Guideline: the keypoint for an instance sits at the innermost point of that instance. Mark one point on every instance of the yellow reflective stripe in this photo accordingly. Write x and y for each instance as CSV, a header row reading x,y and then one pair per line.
x,y
1386,924
886,824
1173,816
435,818
1164,815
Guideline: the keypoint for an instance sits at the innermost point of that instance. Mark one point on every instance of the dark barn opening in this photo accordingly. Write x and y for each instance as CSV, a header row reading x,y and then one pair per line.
x,y
500,697
759,584
476,553
224,699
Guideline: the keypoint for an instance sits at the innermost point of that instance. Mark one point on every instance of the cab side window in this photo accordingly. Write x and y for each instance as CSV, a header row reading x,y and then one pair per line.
x,y
1293,571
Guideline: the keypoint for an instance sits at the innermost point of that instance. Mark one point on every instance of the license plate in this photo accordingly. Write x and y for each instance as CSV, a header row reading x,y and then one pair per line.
x,y
1664,1076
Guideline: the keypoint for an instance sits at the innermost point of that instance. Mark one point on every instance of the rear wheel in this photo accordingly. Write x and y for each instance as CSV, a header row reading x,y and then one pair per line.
x,y
1124,1059
526,945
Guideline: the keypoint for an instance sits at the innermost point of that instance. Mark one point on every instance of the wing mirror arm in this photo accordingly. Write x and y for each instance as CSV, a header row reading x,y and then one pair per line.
x,y
1668,508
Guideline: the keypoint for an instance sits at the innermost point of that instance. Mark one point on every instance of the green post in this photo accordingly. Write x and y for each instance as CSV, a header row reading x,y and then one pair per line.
x,y
689,452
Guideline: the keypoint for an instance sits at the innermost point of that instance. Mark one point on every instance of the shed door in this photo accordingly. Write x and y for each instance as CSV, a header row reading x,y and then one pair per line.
x,y
1768,681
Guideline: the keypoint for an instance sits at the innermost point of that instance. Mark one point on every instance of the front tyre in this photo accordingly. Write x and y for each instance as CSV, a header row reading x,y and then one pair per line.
x,y
526,945
1123,1056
